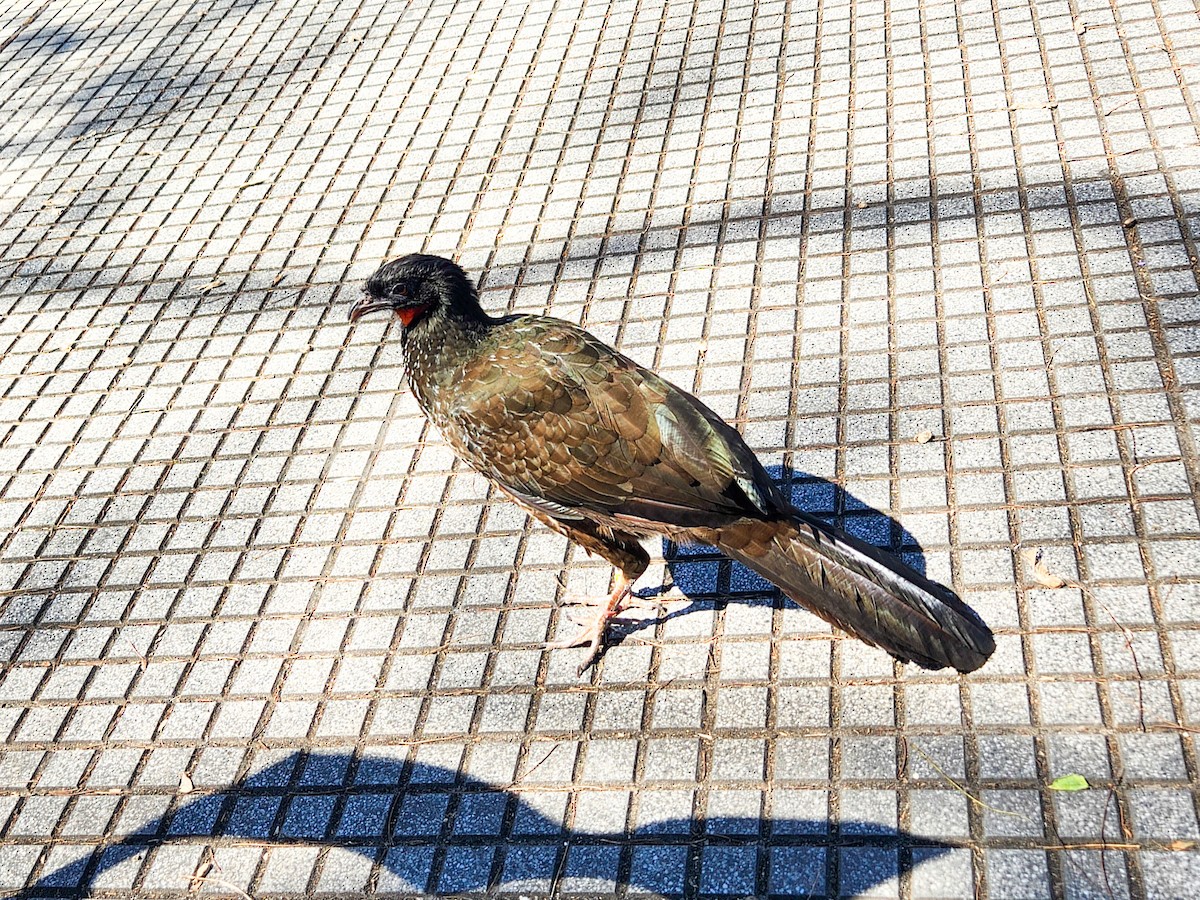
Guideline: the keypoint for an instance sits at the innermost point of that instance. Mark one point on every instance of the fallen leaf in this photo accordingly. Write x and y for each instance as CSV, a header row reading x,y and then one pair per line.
x,y
1179,846
1041,574
211,286
1071,782
185,784
1047,578
924,437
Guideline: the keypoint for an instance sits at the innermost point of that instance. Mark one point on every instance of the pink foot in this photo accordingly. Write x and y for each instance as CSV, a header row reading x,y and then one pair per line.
x,y
594,631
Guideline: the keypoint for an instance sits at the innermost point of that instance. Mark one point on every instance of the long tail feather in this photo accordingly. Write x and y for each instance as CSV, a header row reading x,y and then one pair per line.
x,y
862,590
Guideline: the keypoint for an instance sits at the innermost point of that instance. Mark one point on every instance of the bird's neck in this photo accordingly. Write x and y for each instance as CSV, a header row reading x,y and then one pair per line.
x,y
436,349
440,332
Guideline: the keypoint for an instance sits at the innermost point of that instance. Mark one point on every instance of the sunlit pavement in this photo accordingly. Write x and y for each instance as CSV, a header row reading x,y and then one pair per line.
x,y
262,635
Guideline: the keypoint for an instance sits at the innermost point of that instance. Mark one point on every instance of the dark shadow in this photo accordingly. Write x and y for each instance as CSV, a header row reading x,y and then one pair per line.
x,y
434,830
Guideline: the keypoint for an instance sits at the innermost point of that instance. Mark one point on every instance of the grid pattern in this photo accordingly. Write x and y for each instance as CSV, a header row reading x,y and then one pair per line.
x,y
261,634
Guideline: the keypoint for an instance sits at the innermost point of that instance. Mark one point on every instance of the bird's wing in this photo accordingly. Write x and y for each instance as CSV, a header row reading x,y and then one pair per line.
x,y
572,427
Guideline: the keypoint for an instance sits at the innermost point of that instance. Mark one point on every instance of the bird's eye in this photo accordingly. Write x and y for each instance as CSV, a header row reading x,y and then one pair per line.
x,y
400,290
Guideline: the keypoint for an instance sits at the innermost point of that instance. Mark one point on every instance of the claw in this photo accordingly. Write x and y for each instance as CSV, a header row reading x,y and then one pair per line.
x,y
592,637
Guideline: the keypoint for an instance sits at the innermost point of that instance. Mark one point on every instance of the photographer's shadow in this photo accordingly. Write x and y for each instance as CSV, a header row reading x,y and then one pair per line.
x,y
429,830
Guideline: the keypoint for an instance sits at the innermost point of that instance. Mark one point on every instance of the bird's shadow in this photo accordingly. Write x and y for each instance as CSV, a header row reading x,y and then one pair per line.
x,y
429,829
708,579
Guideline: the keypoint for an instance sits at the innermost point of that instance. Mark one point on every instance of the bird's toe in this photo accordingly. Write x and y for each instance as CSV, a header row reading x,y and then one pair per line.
x,y
592,637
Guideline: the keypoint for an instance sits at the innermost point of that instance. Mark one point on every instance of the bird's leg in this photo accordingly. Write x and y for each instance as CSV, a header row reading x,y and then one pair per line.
x,y
593,633
626,555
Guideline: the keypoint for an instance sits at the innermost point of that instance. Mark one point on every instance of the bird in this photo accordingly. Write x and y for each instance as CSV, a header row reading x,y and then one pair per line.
x,y
606,452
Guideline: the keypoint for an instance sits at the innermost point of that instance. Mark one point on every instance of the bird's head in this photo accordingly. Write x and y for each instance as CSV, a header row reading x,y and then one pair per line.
x,y
419,288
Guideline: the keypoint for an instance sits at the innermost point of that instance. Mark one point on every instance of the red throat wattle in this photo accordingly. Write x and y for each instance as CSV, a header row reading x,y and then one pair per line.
x,y
408,315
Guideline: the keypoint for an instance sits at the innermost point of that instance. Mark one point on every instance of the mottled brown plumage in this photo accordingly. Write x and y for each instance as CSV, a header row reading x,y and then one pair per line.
x,y
605,452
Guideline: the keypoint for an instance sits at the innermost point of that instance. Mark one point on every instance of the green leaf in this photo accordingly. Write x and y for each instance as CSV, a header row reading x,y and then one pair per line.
x,y
1070,783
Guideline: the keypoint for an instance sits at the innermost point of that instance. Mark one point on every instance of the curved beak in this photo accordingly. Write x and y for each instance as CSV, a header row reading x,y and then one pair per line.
x,y
368,304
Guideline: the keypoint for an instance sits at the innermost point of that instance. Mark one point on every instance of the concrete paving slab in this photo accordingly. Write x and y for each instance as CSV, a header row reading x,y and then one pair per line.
x,y
261,635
